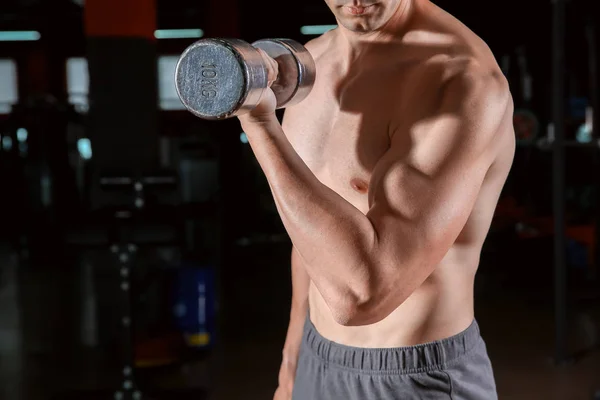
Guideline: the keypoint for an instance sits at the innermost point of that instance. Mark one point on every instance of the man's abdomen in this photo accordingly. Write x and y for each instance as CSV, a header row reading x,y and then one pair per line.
x,y
441,307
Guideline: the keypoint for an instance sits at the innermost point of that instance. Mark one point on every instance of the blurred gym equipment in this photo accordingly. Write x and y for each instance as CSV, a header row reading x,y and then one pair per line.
x,y
146,221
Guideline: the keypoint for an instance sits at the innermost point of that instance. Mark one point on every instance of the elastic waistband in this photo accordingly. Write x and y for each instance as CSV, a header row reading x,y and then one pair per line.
x,y
430,356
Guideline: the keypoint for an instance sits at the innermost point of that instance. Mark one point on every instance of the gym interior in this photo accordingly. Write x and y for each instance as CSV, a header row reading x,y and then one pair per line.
x,y
142,255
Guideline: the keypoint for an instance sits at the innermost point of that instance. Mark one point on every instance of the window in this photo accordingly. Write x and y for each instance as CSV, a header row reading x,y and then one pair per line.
x,y
8,85
78,82
167,93
316,29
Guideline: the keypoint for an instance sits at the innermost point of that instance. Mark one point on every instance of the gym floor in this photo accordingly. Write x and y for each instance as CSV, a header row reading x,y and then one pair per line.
x,y
36,363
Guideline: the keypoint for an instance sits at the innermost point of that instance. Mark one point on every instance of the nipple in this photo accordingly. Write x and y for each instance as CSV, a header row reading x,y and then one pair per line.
x,y
359,185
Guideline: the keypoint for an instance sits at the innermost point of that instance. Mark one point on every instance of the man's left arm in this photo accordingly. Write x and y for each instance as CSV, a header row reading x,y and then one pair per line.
x,y
365,266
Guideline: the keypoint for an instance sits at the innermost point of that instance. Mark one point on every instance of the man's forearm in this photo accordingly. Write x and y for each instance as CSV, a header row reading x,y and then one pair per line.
x,y
334,238
293,340
298,315
291,348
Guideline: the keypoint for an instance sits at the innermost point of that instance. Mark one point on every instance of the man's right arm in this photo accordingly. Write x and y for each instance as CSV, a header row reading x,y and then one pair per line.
x,y
298,313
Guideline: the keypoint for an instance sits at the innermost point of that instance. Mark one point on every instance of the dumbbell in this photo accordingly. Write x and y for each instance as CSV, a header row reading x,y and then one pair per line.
x,y
218,78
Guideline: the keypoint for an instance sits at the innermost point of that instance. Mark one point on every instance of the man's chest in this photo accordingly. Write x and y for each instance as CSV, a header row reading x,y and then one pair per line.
x,y
341,148
343,129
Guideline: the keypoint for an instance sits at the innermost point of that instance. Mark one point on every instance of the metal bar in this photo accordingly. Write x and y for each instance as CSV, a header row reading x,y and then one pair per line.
x,y
125,254
558,117
595,104
592,40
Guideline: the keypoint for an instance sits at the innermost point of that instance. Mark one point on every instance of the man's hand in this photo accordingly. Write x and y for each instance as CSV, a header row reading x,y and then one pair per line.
x,y
265,110
282,394
287,374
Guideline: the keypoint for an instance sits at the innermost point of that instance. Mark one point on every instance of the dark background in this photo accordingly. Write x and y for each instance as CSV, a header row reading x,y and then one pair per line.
x,y
65,241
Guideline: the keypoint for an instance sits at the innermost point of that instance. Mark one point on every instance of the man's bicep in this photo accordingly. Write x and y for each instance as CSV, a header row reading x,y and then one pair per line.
x,y
427,195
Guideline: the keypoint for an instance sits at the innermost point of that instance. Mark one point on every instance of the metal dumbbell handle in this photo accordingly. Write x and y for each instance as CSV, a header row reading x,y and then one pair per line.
x,y
292,84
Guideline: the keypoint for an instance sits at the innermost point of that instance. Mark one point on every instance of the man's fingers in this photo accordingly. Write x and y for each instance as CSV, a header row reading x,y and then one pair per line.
x,y
271,65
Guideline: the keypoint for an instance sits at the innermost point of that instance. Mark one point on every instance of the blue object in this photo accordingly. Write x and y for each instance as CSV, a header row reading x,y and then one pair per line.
x,y
577,254
194,305
577,107
584,133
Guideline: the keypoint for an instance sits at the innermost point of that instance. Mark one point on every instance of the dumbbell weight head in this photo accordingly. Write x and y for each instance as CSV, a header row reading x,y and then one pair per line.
x,y
221,78
218,78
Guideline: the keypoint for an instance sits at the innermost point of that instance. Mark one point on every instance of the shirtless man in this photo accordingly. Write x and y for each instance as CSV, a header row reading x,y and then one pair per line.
x,y
386,179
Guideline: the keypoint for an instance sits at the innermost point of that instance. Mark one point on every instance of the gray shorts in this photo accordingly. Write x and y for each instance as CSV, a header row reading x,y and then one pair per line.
x,y
454,368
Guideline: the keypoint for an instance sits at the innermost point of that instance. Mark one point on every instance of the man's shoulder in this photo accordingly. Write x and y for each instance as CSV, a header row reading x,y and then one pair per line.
x,y
465,89
468,75
478,95
444,41
457,81
318,45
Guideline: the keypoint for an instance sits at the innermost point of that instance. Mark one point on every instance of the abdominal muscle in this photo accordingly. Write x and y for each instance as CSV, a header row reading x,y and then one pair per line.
x,y
441,307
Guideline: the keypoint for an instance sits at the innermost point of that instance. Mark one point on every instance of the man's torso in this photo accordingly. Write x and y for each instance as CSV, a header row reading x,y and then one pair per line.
x,y
344,127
